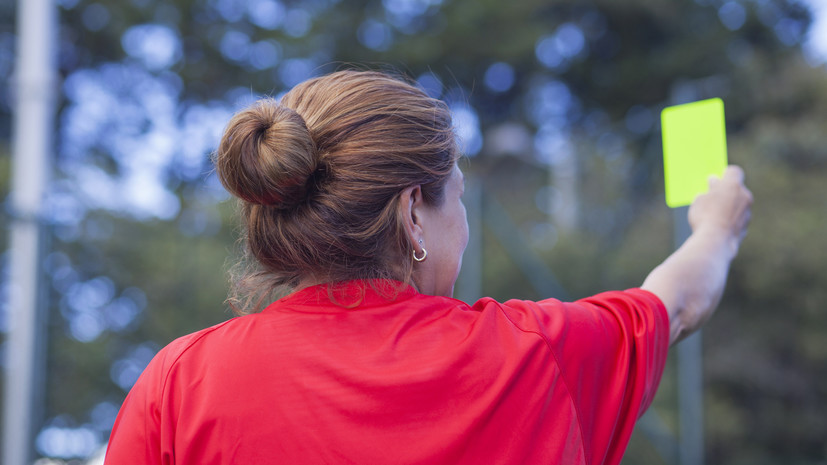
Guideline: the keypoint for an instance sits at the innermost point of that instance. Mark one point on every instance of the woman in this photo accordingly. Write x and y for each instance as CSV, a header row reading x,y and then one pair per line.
x,y
351,197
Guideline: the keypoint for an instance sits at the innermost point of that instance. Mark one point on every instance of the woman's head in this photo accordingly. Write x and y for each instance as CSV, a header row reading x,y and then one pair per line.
x,y
335,181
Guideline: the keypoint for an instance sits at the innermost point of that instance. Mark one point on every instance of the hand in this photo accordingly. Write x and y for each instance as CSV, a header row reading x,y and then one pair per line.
x,y
725,208
690,282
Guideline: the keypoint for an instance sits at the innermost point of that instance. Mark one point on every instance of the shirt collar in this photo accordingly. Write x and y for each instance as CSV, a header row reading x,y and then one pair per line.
x,y
345,296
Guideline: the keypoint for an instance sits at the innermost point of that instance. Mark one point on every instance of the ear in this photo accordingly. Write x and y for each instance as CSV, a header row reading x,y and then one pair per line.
x,y
410,210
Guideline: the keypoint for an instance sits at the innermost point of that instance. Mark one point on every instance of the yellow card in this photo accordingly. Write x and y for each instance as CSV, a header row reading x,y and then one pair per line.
x,y
694,147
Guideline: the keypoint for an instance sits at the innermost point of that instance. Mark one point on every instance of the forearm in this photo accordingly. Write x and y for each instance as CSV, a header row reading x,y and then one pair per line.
x,y
690,282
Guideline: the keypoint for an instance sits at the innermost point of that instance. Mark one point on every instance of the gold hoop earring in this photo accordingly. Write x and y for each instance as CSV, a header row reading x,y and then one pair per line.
x,y
424,254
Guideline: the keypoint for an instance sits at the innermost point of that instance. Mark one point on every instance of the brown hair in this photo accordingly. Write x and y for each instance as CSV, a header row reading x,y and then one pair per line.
x,y
319,176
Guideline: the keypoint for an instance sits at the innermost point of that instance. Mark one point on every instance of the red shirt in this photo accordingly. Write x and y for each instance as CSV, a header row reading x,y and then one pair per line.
x,y
415,379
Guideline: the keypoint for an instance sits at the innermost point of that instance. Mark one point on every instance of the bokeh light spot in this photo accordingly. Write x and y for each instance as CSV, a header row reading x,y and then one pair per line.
x,y
298,22
375,35
499,77
266,14
732,15
66,442
235,45
467,128
431,84
156,46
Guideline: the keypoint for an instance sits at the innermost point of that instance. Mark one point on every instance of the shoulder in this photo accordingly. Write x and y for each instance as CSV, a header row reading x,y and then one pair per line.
x,y
184,343
608,314
169,356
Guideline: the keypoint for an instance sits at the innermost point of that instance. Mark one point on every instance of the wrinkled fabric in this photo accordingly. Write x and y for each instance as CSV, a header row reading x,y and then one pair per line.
x,y
367,374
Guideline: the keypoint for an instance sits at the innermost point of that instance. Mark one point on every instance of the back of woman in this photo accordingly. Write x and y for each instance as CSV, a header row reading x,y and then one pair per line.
x,y
351,198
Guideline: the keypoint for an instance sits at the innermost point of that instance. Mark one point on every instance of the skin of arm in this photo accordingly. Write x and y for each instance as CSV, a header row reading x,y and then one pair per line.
x,y
690,282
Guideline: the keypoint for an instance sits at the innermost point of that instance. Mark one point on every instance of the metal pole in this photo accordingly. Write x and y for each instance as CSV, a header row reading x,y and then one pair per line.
x,y
35,81
469,282
536,271
690,377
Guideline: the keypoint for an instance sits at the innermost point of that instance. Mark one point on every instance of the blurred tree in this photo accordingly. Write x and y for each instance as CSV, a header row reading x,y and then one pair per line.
x,y
557,103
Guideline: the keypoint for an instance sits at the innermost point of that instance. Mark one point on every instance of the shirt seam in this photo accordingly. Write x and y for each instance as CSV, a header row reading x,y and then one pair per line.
x,y
187,347
291,306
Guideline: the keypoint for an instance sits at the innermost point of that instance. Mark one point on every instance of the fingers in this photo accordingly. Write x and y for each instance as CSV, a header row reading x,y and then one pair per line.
x,y
732,173
735,174
725,205
732,178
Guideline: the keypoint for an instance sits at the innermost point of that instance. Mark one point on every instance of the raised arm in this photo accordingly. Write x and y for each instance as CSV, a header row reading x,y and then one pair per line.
x,y
690,282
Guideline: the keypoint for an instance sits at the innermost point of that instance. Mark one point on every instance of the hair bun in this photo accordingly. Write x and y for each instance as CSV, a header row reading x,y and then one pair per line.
x,y
267,155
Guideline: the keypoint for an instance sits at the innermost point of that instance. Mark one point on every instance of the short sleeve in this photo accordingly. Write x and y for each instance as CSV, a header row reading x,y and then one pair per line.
x,y
626,347
139,435
611,349
135,437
